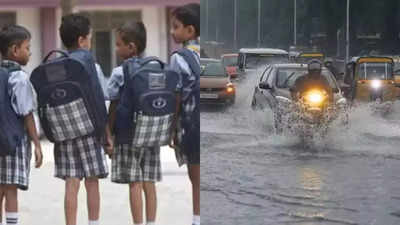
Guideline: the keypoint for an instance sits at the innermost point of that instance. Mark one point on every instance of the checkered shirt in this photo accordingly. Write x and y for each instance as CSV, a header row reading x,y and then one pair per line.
x,y
69,121
152,130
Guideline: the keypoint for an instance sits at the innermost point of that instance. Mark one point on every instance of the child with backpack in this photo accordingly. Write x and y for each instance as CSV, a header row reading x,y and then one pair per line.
x,y
78,157
186,31
16,107
140,167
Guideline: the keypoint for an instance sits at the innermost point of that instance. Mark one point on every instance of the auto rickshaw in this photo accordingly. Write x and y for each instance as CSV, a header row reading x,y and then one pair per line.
x,y
396,70
370,79
305,57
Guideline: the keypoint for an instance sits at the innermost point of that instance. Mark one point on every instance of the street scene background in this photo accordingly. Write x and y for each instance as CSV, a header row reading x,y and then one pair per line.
x,y
250,174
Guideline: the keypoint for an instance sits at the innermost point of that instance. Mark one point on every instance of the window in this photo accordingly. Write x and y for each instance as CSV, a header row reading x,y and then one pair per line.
x,y
265,74
270,78
7,18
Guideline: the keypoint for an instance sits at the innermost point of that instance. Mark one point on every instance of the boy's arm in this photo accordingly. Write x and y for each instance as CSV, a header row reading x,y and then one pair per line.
x,y
109,145
112,114
110,127
31,128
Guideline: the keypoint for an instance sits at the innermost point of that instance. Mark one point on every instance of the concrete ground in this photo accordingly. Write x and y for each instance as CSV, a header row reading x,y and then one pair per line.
x,y
43,203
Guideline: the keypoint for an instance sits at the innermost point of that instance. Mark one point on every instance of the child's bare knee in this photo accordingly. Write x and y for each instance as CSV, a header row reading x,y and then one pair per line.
x,y
148,186
135,185
91,182
72,185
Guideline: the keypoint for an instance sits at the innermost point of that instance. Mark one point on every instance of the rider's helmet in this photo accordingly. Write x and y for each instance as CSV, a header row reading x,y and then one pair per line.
x,y
314,66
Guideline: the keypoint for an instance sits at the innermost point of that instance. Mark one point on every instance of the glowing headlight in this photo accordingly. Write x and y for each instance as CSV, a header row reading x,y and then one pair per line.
x,y
315,97
376,84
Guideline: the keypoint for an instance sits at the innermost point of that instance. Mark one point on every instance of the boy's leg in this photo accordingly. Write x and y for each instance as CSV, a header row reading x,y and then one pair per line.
x,y
135,194
11,194
151,201
2,196
194,175
71,200
93,198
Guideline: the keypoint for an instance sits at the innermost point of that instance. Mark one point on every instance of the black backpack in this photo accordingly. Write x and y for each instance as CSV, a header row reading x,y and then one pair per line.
x,y
11,125
70,99
190,88
147,113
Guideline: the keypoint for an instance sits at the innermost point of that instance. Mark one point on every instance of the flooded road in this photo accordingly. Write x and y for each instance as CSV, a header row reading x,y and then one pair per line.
x,y
249,175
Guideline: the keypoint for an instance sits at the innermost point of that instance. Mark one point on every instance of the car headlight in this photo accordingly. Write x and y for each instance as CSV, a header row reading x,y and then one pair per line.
x,y
376,84
315,97
230,88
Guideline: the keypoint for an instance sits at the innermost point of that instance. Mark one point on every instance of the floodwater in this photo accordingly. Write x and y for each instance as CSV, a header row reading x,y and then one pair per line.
x,y
249,175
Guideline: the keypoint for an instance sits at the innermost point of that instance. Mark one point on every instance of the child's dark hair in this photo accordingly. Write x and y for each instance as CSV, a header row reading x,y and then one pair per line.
x,y
134,31
189,15
12,35
72,27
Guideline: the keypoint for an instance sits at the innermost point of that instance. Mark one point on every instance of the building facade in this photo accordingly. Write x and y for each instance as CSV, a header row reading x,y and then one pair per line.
x,y
43,18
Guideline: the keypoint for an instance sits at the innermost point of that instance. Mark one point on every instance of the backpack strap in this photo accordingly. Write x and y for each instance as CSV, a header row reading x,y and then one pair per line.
x,y
190,59
64,53
148,60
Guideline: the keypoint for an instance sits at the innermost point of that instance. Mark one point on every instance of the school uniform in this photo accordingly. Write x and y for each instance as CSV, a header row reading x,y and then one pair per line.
x,y
131,164
189,129
82,157
15,170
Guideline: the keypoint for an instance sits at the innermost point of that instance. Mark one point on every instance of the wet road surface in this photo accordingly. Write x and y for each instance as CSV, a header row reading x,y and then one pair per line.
x,y
249,175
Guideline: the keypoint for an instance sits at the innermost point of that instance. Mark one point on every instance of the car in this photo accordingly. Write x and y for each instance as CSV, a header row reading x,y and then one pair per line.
x,y
230,62
250,59
205,61
275,83
216,86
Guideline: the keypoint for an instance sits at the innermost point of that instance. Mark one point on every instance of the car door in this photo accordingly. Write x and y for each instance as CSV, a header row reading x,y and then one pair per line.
x,y
259,99
267,99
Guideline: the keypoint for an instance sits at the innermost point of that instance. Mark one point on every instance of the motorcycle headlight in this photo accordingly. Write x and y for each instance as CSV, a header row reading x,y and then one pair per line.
x,y
376,84
315,97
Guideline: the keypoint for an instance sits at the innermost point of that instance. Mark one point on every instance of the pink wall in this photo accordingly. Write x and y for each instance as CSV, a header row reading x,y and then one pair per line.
x,y
48,29
55,3
29,3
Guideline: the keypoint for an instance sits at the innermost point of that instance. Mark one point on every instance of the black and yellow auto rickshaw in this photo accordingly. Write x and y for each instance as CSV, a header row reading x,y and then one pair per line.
x,y
305,57
370,79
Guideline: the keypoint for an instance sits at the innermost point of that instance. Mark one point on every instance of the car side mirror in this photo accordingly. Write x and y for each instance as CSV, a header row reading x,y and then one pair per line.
x,y
264,85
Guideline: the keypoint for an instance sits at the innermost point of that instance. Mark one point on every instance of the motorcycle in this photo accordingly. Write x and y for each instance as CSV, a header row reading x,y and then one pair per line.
x,y
310,113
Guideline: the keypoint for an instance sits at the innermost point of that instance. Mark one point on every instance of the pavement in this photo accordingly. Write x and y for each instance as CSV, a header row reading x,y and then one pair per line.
x,y
43,203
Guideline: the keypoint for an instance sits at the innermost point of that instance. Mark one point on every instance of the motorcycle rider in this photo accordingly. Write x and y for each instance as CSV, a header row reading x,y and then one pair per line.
x,y
329,65
312,80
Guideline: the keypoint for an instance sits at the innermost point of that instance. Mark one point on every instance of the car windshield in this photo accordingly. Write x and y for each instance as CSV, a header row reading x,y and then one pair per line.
x,y
255,60
283,74
230,61
306,59
214,69
326,73
204,62
380,71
